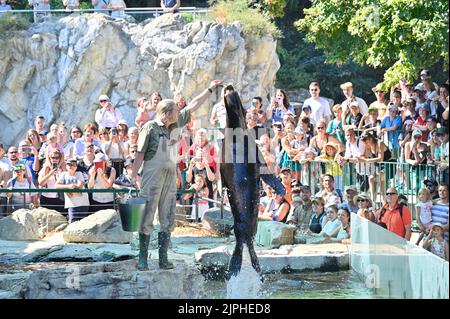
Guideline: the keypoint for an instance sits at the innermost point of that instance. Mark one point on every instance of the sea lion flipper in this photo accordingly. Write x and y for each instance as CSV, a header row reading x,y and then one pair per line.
x,y
275,183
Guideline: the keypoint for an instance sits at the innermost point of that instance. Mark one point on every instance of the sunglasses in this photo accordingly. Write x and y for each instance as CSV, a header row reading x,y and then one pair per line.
x,y
55,157
417,137
77,132
313,90
13,152
391,194
360,200
101,101
320,127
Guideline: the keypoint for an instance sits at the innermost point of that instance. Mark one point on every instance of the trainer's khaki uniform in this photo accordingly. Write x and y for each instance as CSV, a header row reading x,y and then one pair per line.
x,y
159,175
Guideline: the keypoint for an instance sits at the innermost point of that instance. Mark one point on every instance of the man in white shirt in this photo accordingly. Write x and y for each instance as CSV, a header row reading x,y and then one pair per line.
x,y
347,90
320,107
108,116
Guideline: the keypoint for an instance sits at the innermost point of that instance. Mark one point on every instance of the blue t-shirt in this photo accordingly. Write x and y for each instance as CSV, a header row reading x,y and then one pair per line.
x,y
393,136
278,114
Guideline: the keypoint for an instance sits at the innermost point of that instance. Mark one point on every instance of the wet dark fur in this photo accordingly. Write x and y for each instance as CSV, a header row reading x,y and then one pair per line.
x,y
242,181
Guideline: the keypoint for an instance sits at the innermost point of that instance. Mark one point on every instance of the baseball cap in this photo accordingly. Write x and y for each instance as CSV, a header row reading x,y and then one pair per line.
x,y
393,107
299,130
277,124
103,97
417,133
346,85
378,88
285,169
430,181
306,107
71,161
124,122
318,200
310,150
19,167
372,108
128,162
350,188
99,157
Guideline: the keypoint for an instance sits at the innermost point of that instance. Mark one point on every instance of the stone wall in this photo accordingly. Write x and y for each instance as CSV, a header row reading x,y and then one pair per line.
x,y
59,69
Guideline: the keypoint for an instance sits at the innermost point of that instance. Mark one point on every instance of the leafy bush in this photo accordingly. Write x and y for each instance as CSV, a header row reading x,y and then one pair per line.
x,y
227,11
12,22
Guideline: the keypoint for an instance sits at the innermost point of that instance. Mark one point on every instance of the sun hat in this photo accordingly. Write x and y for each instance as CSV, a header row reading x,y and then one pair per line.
x,y
417,132
346,85
103,97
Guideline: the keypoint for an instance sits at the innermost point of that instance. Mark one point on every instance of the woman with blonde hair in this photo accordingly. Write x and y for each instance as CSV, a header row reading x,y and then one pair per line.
x,y
48,177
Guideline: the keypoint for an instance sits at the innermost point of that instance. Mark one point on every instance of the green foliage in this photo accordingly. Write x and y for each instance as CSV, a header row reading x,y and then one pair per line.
x,y
255,23
10,22
401,35
86,5
270,8
188,16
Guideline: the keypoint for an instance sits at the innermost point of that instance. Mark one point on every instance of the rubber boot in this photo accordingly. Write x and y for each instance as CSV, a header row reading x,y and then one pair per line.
x,y
144,241
163,245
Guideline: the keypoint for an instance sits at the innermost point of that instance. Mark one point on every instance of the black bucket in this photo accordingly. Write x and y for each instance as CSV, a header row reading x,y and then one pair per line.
x,y
131,211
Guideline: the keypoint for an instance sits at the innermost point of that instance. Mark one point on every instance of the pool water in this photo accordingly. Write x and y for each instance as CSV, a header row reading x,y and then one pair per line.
x,y
312,285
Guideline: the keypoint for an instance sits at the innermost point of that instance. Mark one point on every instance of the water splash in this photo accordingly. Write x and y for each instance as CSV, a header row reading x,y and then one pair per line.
x,y
247,284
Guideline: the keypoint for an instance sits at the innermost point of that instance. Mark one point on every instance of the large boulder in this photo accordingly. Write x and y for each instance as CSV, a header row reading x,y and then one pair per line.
x,y
213,220
48,220
20,225
274,234
103,226
59,69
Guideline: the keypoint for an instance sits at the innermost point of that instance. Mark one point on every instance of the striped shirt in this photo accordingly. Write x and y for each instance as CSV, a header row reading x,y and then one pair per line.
x,y
439,214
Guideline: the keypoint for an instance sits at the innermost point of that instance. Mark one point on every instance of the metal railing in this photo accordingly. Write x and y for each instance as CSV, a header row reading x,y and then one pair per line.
x,y
140,14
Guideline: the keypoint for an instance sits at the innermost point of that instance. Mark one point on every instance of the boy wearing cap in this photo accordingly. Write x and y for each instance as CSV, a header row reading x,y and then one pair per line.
x,y
107,116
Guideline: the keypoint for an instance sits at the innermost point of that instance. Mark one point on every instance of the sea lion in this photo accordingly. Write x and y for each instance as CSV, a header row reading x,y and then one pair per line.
x,y
241,169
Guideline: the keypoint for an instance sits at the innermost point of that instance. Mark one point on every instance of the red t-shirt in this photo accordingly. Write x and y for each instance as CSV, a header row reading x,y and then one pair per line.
x,y
393,221
422,122
208,149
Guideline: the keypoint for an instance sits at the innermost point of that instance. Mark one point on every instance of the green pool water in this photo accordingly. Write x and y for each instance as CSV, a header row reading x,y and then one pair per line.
x,y
313,285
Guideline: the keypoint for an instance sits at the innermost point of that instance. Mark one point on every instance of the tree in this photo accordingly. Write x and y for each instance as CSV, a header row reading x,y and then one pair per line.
x,y
400,35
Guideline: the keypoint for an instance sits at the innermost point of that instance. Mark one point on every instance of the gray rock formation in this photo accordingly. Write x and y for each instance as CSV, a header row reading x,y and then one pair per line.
x,y
20,225
274,234
101,227
118,280
59,69
212,220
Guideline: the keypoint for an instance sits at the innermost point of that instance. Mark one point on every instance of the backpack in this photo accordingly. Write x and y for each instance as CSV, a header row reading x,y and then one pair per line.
x,y
383,211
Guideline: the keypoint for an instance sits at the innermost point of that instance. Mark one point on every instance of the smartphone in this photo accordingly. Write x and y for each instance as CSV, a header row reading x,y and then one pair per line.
x,y
98,165
114,131
54,165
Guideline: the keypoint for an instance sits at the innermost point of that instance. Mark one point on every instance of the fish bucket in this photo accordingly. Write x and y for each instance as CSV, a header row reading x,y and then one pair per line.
x,y
131,211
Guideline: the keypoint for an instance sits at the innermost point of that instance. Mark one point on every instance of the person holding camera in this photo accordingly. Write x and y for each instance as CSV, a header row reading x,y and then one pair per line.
x,y
101,176
279,106
48,176
115,150
157,151
108,116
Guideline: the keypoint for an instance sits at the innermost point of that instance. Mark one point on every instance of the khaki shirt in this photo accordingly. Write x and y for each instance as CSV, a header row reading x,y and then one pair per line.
x,y
151,131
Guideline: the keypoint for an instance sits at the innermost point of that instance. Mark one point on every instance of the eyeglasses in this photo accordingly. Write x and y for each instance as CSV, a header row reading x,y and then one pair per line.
x,y
391,194
101,101
320,127
361,200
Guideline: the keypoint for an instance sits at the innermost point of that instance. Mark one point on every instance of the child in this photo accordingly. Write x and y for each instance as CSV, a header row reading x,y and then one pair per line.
x,y
335,126
308,175
331,166
423,208
202,191
435,243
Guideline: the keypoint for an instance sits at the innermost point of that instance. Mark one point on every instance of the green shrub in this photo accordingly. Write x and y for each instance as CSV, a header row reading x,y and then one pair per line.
x,y
228,11
10,22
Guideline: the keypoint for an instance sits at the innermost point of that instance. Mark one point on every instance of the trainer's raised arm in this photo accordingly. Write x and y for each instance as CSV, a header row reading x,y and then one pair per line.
x,y
202,97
